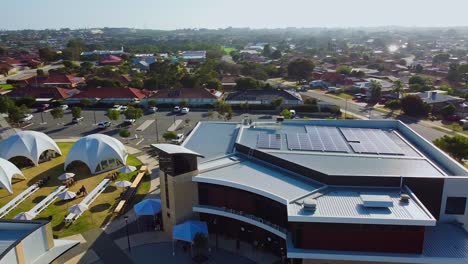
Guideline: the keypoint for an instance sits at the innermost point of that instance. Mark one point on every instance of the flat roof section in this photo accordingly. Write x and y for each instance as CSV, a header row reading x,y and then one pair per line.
x,y
9,237
212,139
351,205
256,177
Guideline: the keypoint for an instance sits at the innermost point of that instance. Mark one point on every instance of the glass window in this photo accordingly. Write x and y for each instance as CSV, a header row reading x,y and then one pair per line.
x,y
455,205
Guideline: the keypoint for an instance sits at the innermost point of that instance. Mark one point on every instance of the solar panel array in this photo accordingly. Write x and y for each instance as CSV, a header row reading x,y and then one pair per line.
x,y
370,141
269,141
318,139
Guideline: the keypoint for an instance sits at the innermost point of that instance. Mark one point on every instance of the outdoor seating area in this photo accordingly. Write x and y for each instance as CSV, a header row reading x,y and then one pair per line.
x,y
131,191
89,199
36,210
7,208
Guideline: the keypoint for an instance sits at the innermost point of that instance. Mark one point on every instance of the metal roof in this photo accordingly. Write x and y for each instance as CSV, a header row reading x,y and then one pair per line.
x,y
212,139
345,205
256,177
174,149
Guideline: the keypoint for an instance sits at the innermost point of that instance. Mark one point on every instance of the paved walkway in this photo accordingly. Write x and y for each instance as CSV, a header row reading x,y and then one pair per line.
x,y
174,125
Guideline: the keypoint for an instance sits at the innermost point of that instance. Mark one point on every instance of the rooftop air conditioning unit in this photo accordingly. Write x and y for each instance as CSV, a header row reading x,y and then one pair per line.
x,y
404,197
309,204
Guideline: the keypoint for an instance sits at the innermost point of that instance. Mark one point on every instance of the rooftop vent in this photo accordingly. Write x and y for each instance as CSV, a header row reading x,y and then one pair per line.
x,y
309,204
404,197
376,201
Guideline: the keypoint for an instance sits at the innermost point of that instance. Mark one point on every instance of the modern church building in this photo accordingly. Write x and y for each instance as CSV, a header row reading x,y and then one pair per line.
x,y
320,191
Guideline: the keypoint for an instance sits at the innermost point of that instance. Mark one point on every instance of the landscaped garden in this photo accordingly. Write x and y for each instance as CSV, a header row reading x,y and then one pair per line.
x,y
100,211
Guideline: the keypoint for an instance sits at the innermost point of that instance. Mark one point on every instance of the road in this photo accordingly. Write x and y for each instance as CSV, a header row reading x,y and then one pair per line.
x,y
20,75
426,131
64,128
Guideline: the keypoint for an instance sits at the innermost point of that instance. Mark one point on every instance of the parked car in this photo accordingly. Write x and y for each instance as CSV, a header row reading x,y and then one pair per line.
x,y
43,107
123,108
178,139
104,124
464,123
152,109
453,118
293,113
185,110
64,107
27,118
117,108
77,119
176,109
128,122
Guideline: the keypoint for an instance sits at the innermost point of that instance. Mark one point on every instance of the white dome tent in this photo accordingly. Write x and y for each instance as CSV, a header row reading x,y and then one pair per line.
x,y
29,144
8,171
99,152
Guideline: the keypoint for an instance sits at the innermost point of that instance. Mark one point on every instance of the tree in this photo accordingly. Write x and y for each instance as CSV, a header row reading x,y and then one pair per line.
x,y
223,108
413,105
440,58
343,69
113,115
247,83
124,133
47,54
26,100
398,87
213,84
136,83
393,104
170,135
453,73
6,104
183,103
76,112
277,102
286,114
57,113
40,72
15,113
276,55
447,110
266,51
376,91
419,68
456,146
133,113
152,103
417,79
86,102
300,69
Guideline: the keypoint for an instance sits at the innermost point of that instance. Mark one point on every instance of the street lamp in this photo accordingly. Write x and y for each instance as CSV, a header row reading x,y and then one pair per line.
x,y
128,235
156,126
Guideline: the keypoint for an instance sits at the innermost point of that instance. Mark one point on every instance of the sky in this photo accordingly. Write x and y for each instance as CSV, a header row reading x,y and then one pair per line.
x,y
176,14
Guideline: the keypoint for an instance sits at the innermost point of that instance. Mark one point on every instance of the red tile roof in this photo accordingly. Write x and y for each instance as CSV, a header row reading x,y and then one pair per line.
x,y
184,93
112,92
110,59
56,78
45,92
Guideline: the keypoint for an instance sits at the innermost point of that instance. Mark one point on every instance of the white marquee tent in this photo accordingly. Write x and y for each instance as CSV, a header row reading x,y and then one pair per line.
x,y
99,152
8,170
28,144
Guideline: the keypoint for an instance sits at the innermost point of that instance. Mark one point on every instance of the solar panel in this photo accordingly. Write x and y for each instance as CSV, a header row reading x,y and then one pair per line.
x,y
269,141
327,139
373,141
299,141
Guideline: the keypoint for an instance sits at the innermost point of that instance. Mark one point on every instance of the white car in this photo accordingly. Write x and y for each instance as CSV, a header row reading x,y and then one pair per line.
x,y
123,108
178,139
152,109
129,121
176,109
293,113
104,124
64,107
185,110
27,118
117,108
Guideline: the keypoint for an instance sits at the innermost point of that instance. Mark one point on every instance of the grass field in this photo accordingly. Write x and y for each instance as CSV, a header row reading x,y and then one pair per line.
x,y
100,211
6,86
229,50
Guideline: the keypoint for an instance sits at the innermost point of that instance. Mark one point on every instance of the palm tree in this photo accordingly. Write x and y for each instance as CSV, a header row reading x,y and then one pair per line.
x,y
398,88
376,91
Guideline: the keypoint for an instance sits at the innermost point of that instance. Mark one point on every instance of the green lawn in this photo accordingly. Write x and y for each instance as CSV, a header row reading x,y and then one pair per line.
x,y
6,86
456,127
100,211
229,50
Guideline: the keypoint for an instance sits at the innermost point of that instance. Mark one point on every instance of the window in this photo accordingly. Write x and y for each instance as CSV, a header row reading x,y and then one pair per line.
x,y
455,205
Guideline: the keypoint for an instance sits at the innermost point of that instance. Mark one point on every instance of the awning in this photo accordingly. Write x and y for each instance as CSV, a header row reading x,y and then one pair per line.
x,y
187,230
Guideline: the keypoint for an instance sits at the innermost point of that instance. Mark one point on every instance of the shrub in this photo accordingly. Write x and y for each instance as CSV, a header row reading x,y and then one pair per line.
x,y
124,133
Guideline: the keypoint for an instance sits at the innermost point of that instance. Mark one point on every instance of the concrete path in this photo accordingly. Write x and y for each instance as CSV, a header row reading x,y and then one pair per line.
x,y
174,125
105,247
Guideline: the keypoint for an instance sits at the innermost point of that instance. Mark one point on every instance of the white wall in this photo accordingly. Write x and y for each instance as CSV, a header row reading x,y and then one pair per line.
x,y
454,187
9,258
34,245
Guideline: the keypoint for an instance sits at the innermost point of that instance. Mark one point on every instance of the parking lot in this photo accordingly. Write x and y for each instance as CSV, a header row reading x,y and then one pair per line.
x,y
144,128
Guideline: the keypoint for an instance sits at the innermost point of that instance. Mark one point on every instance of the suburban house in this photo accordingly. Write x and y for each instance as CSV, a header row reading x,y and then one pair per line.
x,y
229,82
439,99
366,85
60,80
110,60
110,95
103,52
143,63
462,110
193,57
320,191
193,96
44,94
264,97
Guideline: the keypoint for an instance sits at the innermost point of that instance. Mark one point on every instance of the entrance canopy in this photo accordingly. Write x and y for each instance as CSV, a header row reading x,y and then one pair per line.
x,y
28,144
99,152
7,171
187,230
148,207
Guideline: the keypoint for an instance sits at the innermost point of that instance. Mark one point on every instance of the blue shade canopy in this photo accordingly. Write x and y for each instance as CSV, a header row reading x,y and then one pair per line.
x,y
148,207
187,230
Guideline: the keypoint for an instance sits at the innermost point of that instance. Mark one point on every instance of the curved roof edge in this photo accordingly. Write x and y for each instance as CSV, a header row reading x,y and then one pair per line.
x,y
175,149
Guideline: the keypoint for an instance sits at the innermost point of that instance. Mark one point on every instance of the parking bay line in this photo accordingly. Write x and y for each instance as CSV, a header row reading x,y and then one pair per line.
x,y
145,125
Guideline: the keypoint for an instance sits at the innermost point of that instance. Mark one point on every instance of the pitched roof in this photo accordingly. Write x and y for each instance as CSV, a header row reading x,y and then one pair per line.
x,y
267,94
184,93
46,92
114,92
110,59
55,78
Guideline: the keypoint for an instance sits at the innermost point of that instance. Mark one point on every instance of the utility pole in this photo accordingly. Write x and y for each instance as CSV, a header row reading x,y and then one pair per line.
x,y
156,126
